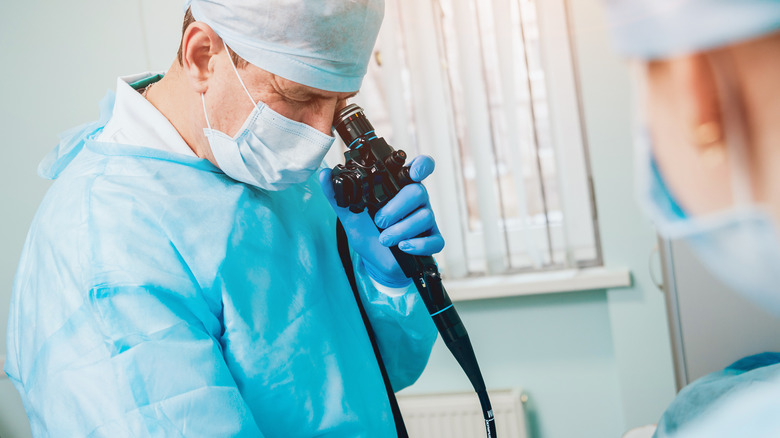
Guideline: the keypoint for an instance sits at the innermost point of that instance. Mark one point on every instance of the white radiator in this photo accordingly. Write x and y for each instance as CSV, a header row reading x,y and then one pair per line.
x,y
459,415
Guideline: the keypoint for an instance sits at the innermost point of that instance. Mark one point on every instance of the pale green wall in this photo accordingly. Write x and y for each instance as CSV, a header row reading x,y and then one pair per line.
x,y
593,363
59,59
557,348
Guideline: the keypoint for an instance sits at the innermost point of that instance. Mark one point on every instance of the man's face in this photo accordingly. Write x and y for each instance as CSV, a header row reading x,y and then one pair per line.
x,y
228,104
681,97
731,86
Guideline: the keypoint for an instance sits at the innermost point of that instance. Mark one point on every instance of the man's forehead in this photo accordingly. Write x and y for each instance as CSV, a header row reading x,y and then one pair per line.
x,y
294,88
257,76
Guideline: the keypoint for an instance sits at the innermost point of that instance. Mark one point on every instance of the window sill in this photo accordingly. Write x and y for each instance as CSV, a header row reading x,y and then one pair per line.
x,y
570,280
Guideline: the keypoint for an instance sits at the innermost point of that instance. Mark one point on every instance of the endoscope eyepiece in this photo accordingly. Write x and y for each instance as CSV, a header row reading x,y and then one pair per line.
x,y
346,113
352,125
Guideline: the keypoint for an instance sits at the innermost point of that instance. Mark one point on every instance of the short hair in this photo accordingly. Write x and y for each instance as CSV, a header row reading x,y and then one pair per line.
x,y
189,19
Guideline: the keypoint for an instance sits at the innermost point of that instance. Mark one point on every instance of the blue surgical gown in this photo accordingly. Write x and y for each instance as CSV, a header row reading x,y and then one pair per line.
x,y
157,297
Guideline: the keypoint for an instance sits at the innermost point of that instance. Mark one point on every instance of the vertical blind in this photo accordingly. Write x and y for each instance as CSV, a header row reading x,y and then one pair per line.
x,y
488,88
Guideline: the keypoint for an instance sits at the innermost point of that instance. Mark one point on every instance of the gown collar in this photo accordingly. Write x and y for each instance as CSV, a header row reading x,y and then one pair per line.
x,y
89,134
137,122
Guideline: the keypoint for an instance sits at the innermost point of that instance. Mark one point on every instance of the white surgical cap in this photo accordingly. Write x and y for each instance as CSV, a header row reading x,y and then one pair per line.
x,y
653,29
324,44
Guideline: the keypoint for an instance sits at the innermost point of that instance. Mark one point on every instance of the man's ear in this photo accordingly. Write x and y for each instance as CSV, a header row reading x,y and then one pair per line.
x,y
200,45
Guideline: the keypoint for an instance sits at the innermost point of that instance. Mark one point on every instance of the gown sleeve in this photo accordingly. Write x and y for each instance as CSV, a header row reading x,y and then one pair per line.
x,y
405,332
717,402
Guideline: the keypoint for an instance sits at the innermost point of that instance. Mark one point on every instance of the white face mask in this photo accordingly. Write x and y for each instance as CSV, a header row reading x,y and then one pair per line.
x,y
270,151
740,245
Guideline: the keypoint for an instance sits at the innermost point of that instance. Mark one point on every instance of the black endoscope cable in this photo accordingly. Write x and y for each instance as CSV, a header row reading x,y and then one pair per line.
x,y
425,274
373,173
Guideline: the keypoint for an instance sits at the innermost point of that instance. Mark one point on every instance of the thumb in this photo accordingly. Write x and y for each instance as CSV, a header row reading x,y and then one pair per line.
x,y
421,167
327,185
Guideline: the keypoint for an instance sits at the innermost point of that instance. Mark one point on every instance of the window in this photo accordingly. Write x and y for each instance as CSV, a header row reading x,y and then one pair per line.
x,y
488,88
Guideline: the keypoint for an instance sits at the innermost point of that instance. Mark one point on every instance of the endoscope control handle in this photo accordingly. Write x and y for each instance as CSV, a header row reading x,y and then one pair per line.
x,y
373,174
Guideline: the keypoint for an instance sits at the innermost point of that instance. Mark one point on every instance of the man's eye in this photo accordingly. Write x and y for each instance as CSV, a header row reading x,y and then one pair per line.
x,y
297,102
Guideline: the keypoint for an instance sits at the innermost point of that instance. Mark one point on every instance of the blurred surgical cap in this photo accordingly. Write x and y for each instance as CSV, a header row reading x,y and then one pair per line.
x,y
652,29
324,44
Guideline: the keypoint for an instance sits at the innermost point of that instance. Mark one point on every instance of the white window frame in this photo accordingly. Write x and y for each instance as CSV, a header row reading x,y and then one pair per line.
x,y
435,129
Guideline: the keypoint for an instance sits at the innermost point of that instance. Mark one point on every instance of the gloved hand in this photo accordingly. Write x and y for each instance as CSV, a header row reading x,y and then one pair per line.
x,y
402,219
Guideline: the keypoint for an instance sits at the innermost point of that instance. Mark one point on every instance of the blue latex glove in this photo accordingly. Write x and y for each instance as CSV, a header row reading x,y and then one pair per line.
x,y
404,218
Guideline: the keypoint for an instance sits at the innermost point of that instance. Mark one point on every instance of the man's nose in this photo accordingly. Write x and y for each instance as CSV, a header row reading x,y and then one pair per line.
x,y
323,124
322,120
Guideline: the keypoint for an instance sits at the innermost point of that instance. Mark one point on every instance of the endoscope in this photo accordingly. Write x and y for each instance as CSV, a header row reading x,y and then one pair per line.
x,y
373,173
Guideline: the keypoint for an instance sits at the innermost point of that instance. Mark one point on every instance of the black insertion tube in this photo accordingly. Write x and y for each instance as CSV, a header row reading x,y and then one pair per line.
x,y
456,338
426,277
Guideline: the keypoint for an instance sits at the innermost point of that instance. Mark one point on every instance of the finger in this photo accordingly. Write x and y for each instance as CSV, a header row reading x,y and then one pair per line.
x,y
414,225
420,167
423,246
327,187
327,183
409,199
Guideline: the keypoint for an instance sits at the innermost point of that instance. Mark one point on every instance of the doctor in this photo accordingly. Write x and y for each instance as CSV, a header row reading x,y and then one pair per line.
x,y
709,168
181,277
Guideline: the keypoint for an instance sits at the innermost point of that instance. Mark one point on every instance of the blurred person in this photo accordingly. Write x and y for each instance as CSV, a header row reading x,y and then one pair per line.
x,y
708,167
181,276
